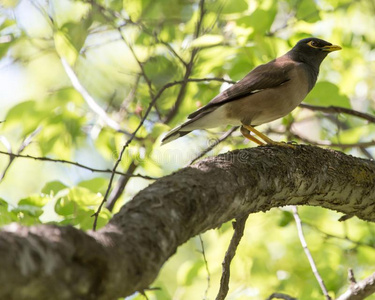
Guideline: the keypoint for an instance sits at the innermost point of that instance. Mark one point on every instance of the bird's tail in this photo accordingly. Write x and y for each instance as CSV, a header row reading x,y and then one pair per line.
x,y
175,134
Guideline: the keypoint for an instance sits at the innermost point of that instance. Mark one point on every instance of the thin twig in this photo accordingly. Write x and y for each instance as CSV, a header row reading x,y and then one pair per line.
x,y
213,145
131,96
308,254
89,99
338,109
206,265
188,68
170,48
345,238
351,277
76,164
239,226
22,147
120,186
151,105
140,64
113,173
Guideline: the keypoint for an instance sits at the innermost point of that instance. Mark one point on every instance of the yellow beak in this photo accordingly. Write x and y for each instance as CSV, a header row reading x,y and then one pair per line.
x,y
331,48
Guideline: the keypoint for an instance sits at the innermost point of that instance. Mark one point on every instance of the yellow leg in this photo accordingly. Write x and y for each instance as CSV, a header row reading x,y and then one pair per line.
x,y
246,134
262,136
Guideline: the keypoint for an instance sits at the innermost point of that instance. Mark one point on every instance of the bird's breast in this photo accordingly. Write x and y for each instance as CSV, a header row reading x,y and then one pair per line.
x,y
273,103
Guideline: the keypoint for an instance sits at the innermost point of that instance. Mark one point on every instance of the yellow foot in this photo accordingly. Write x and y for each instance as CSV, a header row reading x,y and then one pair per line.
x,y
246,129
246,134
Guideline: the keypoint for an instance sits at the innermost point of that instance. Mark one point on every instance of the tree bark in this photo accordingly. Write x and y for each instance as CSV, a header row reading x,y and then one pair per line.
x,y
50,262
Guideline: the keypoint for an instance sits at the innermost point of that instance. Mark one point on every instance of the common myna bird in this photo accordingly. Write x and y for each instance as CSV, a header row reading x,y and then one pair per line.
x,y
267,93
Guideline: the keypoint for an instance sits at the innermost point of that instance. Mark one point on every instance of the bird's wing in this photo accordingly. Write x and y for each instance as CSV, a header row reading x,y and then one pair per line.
x,y
265,76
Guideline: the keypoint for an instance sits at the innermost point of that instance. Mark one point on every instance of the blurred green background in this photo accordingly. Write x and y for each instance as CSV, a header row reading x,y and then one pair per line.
x,y
124,53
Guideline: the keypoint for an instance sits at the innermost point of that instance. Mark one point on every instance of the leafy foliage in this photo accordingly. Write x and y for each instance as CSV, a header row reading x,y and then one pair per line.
x,y
127,54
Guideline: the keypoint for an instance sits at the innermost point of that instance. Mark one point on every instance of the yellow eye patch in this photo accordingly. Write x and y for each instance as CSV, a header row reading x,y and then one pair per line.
x,y
313,44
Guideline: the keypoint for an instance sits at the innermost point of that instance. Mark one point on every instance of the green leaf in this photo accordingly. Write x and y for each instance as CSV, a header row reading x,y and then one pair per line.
x,y
26,113
87,220
308,11
29,210
6,216
80,216
76,33
160,70
189,272
158,129
34,200
286,218
3,203
95,185
5,46
207,40
236,6
65,48
65,207
326,93
53,187
261,20
84,197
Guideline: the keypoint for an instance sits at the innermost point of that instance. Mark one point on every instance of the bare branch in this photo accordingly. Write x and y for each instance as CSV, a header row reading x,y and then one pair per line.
x,y
127,254
345,238
24,144
239,226
206,265
351,277
120,186
308,254
188,67
172,50
338,109
151,105
75,164
360,290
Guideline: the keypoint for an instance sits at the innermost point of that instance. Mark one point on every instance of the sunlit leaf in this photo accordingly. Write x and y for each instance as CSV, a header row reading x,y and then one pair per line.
x,y
65,47
34,200
53,186
95,185
327,94
236,6
207,40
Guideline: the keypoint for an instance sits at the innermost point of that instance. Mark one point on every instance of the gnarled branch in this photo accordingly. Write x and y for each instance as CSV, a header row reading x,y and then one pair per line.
x,y
127,254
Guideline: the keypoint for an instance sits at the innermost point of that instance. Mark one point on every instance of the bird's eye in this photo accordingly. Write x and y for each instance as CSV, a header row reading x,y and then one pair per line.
x,y
313,44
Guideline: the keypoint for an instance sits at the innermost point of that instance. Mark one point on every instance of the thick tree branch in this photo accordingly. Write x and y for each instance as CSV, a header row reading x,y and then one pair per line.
x,y
126,255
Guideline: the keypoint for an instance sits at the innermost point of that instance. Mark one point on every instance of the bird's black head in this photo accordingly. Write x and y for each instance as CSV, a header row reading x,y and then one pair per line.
x,y
312,51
